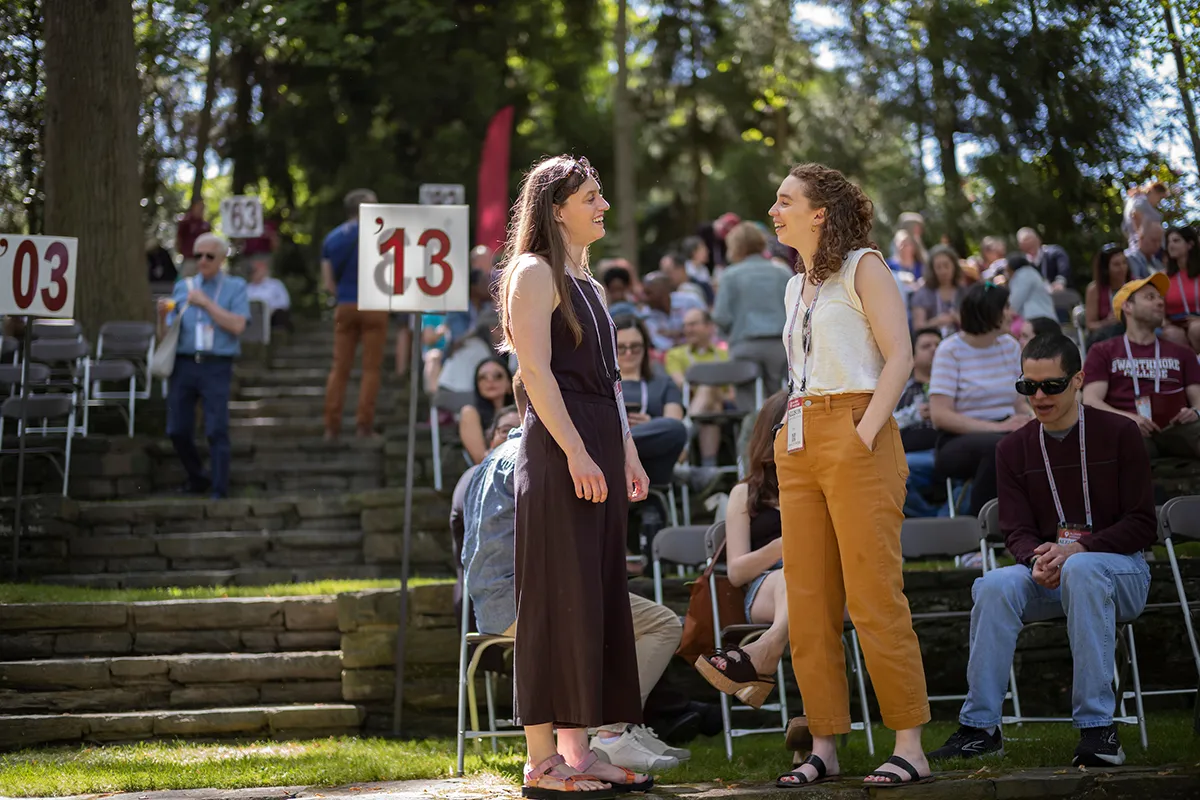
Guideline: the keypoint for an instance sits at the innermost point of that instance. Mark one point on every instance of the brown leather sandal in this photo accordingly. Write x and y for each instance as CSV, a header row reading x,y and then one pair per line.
x,y
620,787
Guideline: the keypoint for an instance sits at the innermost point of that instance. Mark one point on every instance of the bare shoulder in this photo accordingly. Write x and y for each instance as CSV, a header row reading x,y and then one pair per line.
x,y
739,495
871,263
530,266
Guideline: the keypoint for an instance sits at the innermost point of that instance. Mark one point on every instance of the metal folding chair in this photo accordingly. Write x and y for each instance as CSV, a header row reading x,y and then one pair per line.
x,y
449,401
1180,518
681,545
466,686
42,407
1126,645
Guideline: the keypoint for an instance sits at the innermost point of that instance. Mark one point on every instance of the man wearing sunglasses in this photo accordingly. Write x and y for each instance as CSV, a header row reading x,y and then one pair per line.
x,y
1076,509
1154,382
215,310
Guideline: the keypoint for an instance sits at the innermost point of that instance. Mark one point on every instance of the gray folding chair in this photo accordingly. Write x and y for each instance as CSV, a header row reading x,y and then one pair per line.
x,y
448,401
1126,645
131,341
66,357
681,545
50,405
1079,321
56,329
1180,518
258,327
10,349
718,373
466,686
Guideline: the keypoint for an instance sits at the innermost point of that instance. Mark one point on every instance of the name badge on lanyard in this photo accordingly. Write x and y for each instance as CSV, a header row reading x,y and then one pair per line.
x,y
1070,532
1141,404
795,407
205,332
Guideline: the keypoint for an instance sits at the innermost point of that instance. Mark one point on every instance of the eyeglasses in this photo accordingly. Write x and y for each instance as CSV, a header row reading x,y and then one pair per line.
x,y
207,256
1049,387
491,376
630,349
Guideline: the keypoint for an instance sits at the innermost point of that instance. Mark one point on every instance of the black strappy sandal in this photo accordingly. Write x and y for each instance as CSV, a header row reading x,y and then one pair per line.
x,y
801,780
738,677
892,780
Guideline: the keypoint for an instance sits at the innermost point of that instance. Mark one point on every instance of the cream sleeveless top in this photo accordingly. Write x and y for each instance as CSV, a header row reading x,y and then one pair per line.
x,y
844,357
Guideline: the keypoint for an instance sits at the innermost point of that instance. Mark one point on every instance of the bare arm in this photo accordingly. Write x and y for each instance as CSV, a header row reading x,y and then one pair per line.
x,y
673,411
1094,394
327,280
531,301
470,431
1091,307
920,317
889,325
945,418
743,563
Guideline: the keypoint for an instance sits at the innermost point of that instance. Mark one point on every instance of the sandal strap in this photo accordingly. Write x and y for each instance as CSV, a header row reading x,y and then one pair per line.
x,y
544,768
738,666
815,762
629,775
588,760
904,765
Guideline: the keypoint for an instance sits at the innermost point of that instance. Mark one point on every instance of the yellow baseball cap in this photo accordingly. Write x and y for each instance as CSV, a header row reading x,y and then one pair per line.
x,y
1160,281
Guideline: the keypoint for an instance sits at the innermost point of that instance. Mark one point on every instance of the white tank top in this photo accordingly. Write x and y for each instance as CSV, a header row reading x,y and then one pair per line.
x,y
844,357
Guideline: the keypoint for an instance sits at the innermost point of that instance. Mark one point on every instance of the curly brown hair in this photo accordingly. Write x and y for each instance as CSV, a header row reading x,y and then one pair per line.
x,y
849,215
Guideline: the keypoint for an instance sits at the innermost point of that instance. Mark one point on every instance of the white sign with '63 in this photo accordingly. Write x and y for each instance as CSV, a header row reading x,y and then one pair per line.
x,y
37,275
413,258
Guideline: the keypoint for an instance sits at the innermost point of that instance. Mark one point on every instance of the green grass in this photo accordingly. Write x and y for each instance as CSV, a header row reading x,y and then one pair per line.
x,y
47,593
342,761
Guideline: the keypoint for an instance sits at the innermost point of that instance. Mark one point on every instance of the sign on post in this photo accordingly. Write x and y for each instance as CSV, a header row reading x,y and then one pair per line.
x,y
413,258
242,217
40,272
442,194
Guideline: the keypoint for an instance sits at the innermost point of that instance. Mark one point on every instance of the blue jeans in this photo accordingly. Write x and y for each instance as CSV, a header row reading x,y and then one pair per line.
x,y
208,381
1098,590
920,478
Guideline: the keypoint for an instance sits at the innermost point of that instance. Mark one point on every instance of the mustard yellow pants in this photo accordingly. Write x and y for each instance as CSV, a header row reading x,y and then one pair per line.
x,y
841,506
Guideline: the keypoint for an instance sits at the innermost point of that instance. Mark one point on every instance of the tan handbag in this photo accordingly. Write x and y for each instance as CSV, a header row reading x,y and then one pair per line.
x,y
163,362
698,637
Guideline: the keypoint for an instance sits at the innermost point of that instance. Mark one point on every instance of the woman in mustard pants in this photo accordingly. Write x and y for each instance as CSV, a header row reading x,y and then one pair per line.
x,y
841,474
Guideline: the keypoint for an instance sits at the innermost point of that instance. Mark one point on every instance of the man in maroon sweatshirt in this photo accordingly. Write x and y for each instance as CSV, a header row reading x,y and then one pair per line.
x,y
1077,528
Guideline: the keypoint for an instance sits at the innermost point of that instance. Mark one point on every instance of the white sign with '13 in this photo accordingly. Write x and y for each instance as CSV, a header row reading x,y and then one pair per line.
x,y
413,258
37,275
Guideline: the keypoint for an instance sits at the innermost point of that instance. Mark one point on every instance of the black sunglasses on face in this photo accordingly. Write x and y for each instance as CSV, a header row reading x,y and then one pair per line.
x,y
1049,387
207,256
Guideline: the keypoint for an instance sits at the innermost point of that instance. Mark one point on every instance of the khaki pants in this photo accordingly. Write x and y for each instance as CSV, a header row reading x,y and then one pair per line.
x,y
350,326
1180,441
656,633
842,507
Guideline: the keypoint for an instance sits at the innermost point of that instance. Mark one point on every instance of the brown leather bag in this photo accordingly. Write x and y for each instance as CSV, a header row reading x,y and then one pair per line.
x,y
698,639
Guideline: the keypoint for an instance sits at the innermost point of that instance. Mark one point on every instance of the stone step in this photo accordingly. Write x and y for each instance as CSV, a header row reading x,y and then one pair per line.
x,y
245,576
258,721
169,681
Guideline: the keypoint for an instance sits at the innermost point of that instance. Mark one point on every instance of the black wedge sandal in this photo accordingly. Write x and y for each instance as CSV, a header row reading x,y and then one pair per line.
x,y
738,677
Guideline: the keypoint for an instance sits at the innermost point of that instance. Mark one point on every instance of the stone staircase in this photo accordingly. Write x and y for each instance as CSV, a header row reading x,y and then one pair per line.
x,y
261,667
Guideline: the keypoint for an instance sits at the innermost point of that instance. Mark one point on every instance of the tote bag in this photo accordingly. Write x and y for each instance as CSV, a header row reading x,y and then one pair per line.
x,y
698,638
163,363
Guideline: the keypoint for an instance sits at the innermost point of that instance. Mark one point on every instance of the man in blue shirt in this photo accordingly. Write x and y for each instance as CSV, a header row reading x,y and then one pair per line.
x,y
339,272
215,312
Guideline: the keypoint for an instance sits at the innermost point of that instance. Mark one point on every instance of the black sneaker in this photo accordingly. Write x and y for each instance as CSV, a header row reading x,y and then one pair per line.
x,y
1099,747
969,742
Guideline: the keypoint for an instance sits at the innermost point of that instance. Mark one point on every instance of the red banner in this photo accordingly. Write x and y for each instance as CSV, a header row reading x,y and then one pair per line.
x,y
491,203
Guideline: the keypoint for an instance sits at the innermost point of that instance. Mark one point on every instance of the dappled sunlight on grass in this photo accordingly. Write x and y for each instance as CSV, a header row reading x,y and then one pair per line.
x,y
47,593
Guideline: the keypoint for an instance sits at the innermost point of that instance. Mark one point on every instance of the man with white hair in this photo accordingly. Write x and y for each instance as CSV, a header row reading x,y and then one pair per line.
x,y
215,311
1143,256
1050,259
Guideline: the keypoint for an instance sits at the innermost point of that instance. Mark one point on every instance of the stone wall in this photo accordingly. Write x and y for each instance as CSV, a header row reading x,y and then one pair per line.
x,y
368,624
185,542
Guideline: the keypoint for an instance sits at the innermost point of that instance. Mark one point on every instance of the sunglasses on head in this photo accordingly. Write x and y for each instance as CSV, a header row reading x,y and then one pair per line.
x,y
1049,387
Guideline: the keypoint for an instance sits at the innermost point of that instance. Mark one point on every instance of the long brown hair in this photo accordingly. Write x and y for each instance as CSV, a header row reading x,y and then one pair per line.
x,y
762,484
849,215
533,229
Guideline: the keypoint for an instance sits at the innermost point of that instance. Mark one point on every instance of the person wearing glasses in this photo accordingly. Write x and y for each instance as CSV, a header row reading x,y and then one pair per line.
x,y
493,391
971,398
1150,380
1076,510
215,311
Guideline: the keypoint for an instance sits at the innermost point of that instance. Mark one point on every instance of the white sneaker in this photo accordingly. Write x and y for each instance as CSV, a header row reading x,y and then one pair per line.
x,y
629,752
651,742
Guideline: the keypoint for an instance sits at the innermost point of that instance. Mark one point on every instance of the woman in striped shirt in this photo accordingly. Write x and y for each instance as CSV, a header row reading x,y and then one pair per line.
x,y
972,396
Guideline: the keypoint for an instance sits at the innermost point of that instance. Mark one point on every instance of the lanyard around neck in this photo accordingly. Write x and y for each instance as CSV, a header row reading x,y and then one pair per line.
x,y
1187,309
1137,390
1087,500
805,334
612,328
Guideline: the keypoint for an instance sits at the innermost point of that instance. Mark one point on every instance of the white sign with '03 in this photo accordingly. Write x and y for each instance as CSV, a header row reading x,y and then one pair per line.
x,y
413,258
37,275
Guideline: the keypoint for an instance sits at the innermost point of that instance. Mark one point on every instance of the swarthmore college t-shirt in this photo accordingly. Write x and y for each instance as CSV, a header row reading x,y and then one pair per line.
x,y
1177,368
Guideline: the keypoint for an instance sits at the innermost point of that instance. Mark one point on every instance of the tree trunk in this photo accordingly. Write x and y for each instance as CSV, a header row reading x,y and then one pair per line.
x,y
623,129
92,155
945,125
204,124
241,145
1185,95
